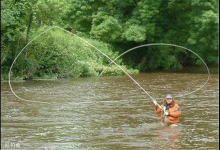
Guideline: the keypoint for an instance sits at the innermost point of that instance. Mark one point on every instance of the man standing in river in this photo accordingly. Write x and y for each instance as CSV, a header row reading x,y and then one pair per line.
x,y
170,113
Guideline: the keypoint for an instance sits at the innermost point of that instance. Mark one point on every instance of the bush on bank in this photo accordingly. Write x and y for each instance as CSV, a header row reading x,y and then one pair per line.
x,y
59,54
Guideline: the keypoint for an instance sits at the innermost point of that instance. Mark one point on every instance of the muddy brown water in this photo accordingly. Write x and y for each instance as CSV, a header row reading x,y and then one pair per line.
x,y
109,113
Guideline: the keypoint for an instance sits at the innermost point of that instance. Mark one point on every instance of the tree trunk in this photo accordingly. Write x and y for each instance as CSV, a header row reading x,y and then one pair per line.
x,y
29,26
28,30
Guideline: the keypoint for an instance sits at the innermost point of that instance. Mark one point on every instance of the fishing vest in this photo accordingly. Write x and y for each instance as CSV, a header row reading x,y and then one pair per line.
x,y
174,114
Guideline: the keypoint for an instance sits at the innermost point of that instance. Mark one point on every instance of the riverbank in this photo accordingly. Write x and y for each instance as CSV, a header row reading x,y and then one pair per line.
x,y
194,69
115,71
104,71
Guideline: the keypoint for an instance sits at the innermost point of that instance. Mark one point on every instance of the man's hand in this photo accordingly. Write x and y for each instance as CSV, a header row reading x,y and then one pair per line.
x,y
155,103
166,113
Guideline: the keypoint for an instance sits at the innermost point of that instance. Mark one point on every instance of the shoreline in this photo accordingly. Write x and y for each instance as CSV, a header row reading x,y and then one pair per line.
x,y
191,70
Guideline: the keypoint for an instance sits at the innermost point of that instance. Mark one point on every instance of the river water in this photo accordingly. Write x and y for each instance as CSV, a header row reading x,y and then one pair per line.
x,y
110,113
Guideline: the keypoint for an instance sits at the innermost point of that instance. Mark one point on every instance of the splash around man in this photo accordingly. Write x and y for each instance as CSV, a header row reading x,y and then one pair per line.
x,y
170,112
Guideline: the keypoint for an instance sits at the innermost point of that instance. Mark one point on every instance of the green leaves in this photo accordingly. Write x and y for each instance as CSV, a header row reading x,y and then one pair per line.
x,y
107,28
135,33
114,26
204,30
64,55
49,12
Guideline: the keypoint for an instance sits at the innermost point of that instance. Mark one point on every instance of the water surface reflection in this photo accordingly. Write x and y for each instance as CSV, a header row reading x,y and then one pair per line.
x,y
109,113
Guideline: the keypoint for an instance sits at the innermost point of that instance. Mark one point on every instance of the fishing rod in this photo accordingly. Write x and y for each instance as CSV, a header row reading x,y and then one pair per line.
x,y
154,101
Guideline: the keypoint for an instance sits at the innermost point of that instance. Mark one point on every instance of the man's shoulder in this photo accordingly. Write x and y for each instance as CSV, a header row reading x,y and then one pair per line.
x,y
176,104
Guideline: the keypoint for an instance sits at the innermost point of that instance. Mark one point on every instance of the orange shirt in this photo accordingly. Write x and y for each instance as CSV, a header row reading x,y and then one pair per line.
x,y
174,113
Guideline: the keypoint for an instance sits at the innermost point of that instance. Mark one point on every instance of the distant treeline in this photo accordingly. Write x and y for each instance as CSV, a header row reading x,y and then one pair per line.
x,y
113,26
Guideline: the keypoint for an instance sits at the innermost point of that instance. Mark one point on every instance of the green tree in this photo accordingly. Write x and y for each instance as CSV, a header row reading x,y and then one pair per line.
x,y
11,28
120,24
204,30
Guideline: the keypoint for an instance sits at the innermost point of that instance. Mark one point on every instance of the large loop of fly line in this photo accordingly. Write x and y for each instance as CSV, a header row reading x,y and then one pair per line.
x,y
112,61
9,74
166,44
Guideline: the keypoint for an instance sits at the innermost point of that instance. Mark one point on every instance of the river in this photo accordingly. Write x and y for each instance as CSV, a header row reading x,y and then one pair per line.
x,y
109,113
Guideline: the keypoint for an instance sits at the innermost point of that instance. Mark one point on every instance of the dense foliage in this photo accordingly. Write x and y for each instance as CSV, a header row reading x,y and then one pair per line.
x,y
113,26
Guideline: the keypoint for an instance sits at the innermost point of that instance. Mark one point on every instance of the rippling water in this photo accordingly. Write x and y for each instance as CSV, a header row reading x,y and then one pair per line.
x,y
109,113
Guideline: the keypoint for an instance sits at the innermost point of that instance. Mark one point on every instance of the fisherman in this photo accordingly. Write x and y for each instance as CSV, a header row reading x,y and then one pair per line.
x,y
170,111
